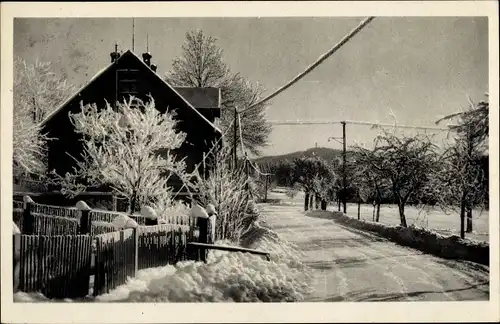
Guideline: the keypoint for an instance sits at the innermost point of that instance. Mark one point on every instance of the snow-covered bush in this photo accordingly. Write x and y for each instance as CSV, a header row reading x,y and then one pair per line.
x,y
227,190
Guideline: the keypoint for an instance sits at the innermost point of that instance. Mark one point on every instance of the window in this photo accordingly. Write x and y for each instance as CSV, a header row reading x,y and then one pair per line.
x,y
127,82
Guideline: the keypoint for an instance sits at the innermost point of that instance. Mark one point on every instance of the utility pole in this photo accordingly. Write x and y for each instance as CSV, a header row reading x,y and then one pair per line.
x,y
133,34
235,156
344,184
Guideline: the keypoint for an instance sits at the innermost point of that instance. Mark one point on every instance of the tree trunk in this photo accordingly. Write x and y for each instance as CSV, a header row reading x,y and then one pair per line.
x,y
317,200
265,189
311,201
306,201
377,215
338,201
323,204
469,220
132,203
462,220
373,212
402,214
359,209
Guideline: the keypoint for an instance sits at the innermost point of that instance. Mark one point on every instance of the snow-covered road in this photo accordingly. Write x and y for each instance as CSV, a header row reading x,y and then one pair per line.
x,y
352,265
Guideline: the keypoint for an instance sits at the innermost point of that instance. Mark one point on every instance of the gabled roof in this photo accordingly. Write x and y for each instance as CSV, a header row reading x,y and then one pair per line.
x,y
201,97
102,71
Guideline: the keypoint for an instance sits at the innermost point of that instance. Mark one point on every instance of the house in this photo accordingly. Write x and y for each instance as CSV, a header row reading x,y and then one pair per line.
x,y
127,74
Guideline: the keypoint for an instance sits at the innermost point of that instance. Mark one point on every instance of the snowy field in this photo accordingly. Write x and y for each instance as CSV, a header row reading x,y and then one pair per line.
x,y
431,218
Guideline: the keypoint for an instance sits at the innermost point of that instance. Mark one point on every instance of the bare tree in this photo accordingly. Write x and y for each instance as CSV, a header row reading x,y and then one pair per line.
x,y
202,65
39,88
129,150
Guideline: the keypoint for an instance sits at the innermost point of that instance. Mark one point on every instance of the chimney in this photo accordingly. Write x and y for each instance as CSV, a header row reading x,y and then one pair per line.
x,y
146,57
153,67
114,55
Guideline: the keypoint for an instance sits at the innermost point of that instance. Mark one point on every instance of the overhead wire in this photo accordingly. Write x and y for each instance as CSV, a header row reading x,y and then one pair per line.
x,y
352,122
320,60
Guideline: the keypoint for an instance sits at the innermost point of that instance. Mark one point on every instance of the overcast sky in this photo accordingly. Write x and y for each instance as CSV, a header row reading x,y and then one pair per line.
x,y
421,68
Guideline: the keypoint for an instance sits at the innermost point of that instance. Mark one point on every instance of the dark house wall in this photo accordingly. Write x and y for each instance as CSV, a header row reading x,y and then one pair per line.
x,y
200,134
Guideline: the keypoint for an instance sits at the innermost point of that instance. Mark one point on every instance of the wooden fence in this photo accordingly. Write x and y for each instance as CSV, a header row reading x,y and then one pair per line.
x,y
62,249
57,266
59,252
115,260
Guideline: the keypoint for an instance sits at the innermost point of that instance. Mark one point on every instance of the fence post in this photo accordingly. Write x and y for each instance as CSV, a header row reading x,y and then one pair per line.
x,y
136,250
16,262
28,218
115,203
203,226
211,229
85,221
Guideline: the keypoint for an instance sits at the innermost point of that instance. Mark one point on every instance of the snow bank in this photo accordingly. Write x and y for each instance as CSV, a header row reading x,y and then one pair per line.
x,y
450,247
226,277
35,297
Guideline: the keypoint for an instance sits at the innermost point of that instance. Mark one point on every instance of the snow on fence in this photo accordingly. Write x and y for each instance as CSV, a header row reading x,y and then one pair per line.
x,y
69,212
97,228
108,216
57,266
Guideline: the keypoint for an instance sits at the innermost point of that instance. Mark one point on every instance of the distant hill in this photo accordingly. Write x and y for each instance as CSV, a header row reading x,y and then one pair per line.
x,y
328,154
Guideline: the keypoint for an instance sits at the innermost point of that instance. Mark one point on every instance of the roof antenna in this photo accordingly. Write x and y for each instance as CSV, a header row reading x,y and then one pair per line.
x,y
133,33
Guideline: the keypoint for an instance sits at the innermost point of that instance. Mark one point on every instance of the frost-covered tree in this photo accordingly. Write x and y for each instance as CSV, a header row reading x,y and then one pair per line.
x,y
283,173
28,141
407,163
39,88
202,65
370,185
462,176
128,149
314,176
